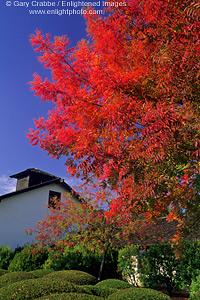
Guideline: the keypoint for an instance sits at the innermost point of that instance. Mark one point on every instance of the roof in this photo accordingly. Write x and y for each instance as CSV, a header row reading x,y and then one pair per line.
x,y
32,170
49,179
163,230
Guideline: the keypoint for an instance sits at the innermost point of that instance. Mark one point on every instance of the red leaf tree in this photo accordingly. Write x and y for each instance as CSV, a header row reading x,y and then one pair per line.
x,y
88,223
127,106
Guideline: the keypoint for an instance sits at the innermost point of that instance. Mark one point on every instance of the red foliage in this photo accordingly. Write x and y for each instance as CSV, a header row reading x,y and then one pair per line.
x,y
127,105
89,223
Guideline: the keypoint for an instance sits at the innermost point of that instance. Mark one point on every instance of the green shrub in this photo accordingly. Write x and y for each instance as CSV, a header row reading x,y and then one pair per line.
x,y
35,288
6,255
45,286
189,264
28,259
41,272
101,291
74,276
70,296
82,259
154,267
159,266
128,259
114,283
87,289
195,289
15,276
138,294
73,258
2,272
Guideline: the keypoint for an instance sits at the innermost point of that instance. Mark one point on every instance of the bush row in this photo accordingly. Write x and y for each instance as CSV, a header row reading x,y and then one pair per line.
x,y
180,271
156,266
138,294
70,296
63,285
131,294
35,288
2,272
14,277
70,258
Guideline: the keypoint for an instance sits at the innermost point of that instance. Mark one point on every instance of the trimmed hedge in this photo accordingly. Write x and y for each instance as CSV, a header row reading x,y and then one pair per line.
x,y
9,278
41,272
77,277
70,296
35,288
114,283
138,294
100,291
45,286
2,272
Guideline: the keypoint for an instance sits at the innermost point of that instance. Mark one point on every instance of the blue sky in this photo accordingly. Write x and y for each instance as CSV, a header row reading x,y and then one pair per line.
x,y
19,106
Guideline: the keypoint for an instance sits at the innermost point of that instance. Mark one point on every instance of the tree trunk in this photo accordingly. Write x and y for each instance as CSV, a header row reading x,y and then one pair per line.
x,y
102,264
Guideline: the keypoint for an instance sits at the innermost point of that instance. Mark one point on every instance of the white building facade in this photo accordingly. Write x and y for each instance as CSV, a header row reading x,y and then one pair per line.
x,y
26,206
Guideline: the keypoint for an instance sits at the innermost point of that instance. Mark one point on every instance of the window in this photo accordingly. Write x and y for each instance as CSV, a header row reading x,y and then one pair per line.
x,y
54,199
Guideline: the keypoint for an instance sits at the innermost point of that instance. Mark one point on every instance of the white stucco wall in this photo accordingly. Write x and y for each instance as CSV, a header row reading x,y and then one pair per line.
x,y
23,211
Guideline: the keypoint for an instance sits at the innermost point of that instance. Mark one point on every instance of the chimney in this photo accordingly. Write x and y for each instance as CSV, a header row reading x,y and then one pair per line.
x,y
31,177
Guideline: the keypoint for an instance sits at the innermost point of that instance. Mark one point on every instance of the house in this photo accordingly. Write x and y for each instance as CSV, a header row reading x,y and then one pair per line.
x,y
26,206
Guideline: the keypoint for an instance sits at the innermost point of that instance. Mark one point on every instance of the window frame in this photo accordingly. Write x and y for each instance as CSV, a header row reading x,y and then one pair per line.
x,y
54,199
